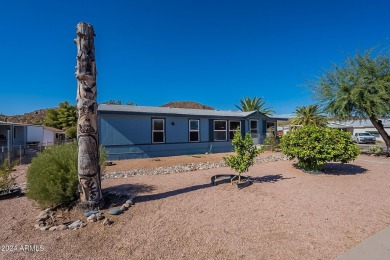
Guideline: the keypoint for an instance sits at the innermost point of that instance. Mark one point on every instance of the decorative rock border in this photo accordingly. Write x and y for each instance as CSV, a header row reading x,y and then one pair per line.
x,y
7,194
185,168
45,221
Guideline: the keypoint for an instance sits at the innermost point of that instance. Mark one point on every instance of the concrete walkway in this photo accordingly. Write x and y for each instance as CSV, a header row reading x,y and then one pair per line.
x,y
376,247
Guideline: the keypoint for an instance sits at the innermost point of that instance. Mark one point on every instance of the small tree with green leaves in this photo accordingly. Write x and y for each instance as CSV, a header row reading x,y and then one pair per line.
x,y
314,146
245,153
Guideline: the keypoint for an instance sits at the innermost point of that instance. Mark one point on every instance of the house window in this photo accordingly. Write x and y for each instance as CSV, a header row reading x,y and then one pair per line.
x,y
253,128
158,131
193,130
233,128
220,130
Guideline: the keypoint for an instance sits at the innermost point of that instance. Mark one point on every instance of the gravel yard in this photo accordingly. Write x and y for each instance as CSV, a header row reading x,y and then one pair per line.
x,y
285,214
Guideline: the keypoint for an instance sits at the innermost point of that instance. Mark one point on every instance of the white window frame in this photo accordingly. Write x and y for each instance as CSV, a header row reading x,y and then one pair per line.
x,y
253,130
158,131
234,130
226,127
193,131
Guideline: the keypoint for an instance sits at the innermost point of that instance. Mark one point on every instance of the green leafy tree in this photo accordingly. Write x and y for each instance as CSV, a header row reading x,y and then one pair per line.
x,y
67,115
71,132
51,118
245,154
358,89
309,115
255,104
63,117
314,146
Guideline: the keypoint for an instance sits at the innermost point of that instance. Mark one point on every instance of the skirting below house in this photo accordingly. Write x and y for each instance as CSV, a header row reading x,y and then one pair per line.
x,y
122,152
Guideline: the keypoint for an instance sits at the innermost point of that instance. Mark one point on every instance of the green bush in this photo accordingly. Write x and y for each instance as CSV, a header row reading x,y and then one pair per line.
x,y
52,177
313,146
245,153
375,149
6,179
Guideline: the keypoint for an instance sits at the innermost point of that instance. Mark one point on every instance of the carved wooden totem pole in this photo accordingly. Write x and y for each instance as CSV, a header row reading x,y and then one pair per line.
x,y
87,127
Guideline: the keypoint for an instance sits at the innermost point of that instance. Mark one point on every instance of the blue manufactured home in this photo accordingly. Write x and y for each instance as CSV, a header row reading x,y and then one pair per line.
x,y
140,132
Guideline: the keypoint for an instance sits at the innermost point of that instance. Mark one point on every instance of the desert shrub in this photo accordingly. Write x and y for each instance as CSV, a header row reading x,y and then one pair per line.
x,y
6,179
52,177
313,146
272,142
375,149
245,153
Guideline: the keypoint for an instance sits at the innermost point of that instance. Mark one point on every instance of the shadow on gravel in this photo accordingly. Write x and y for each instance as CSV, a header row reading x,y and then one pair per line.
x,y
264,179
270,178
117,195
168,194
128,189
336,169
342,169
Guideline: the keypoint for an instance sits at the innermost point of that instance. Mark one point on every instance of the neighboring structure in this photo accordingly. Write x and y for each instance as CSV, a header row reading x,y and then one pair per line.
x,y
359,126
19,137
141,132
17,134
44,135
12,140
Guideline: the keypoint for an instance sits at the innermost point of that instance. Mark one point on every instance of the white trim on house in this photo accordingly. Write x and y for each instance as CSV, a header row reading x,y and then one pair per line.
x,y
233,131
158,130
220,131
194,130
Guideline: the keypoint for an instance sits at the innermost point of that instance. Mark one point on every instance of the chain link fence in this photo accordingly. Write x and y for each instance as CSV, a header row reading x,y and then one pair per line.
x,y
20,153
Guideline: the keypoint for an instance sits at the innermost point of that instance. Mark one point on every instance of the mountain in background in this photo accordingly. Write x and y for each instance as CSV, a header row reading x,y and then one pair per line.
x,y
38,116
34,118
187,104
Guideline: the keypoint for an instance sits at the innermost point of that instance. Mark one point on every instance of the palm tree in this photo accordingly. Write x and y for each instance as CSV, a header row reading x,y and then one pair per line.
x,y
309,115
255,104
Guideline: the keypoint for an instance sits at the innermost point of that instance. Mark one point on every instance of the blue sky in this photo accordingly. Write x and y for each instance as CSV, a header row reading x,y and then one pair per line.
x,y
153,51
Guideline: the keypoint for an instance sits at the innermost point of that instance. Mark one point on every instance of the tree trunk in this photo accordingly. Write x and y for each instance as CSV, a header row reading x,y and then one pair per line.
x,y
87,127
379,126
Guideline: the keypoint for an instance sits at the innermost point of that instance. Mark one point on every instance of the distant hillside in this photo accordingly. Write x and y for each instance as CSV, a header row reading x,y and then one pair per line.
x,y
187,104
35,118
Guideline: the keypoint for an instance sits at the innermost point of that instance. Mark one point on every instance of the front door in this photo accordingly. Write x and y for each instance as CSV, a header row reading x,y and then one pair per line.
x,y
254,130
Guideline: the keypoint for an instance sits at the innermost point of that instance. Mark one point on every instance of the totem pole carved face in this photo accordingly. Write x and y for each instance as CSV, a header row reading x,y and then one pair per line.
x,y
90,188
87,157
86,89
87,124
